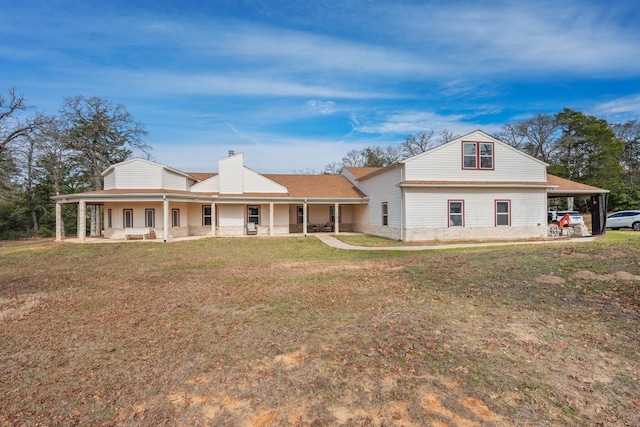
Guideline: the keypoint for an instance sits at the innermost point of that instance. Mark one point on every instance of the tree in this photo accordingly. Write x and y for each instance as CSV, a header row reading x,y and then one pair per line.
x,y
589,152
100,134
534,136
417,144
629,135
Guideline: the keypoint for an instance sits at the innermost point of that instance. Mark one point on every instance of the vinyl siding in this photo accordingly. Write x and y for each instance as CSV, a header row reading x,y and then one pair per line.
x,y
256,183
211,185
173,181
444,163
384,188
110,180
231,174
138,174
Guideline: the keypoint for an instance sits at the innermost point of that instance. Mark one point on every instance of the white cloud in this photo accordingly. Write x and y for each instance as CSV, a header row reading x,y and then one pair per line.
x,y
620,109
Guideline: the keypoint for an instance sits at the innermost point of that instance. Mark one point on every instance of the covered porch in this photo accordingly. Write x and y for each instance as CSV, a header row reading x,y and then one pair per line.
x,y
122,215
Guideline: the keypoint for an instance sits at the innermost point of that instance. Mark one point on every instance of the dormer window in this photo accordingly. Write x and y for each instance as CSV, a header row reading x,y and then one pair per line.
x,y
477,155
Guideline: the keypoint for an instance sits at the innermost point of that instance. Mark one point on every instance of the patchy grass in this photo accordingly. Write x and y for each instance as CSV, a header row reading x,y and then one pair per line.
x,y
264,331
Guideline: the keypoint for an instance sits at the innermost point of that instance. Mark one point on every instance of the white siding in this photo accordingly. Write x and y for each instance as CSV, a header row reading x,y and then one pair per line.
x,y
173,181
110,180
211,185
384,188
256,183
444,163
138,174
427,216
231,174
231,215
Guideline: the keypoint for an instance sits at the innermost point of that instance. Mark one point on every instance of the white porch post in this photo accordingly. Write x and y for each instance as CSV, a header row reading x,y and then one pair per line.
x,y
304,217
336,226
99,220
213,218
165,215
58,222
271,219
82,220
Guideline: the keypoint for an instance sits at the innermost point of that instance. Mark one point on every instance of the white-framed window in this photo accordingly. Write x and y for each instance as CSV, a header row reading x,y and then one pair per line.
x,y
456,213
206,215
300,215
385,213
253,214
127,218
175,217
150,217
109,219
477,155
503,212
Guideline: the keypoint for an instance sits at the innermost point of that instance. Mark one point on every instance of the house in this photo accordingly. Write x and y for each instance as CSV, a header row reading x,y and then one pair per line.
x,y
474,187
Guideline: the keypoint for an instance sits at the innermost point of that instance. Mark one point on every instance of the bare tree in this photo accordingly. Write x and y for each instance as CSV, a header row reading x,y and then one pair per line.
x,y
417,144
446,136
535,136
629,134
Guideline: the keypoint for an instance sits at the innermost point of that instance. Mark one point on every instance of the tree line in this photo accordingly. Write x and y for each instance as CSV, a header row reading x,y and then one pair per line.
x,y
46,155
576,146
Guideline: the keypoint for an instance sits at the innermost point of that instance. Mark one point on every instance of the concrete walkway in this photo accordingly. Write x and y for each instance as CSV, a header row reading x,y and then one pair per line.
x,y
331,241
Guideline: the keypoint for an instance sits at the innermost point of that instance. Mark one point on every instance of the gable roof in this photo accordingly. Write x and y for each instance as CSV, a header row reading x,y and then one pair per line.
x,y
470,138
141,160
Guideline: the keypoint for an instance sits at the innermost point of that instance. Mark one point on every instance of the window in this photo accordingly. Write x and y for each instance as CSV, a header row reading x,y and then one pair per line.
x,y
253,214
300,214
332,214
456,213
503,212
109,219
175,217
127,217
149,217
385,213
206,215
477,155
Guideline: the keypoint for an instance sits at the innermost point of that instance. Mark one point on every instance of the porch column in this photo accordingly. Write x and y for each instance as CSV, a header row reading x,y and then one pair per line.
x,y
58,222
213,218
336,212
99,220
304,217
271,219
165,217
82,220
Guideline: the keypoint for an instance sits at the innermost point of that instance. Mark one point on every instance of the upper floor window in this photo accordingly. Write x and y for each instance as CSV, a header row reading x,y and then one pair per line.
x,y
477,155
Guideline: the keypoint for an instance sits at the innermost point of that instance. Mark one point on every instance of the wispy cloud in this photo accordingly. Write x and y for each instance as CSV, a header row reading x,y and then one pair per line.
x,y
624,108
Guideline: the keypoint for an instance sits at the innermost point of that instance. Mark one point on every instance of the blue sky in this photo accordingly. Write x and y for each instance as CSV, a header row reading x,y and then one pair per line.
x,y
297,84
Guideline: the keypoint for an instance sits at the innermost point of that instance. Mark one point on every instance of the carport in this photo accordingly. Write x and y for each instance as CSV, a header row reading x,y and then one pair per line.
x,y
599,198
